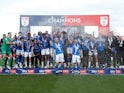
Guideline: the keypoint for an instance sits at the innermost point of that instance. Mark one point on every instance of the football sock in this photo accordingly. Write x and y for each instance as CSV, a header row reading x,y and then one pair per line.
x,y
22,59
9,61
3,62
16,60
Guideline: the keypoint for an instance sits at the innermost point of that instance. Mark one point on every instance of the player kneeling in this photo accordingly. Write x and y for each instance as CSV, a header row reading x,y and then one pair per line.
x,y
76,56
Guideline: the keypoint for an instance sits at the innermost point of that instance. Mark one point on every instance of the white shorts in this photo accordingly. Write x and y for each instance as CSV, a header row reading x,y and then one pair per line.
x,y
69,50
45,51
60,57
19,52
76,59
93,53
51,51
28,54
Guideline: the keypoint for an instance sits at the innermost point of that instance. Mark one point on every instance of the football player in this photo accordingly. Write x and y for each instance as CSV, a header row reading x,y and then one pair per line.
x,y
59,54
76,55
92,46
45,52
28,52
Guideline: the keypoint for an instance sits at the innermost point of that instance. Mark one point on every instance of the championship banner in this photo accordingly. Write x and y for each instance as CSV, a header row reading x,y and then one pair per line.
x,y
102,21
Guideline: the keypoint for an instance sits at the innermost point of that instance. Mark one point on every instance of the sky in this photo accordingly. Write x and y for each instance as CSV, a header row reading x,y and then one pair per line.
x,y
10,11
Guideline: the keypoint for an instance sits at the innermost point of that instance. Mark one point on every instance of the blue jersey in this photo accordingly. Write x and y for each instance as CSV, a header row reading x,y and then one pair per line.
x,y
92,45
51,43
69,45
100,46
45,43
19,45
76,49
85,44
80,40
27,46
39,38
37,48
58,47
26,38
13,47
48,37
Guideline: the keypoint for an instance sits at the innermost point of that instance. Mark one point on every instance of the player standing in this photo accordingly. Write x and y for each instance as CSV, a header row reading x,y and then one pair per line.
x,y
0,54
27,52
76,55
6,50
101,51
36,52
85,51
19,50
92,46
59,54
69,52
45,52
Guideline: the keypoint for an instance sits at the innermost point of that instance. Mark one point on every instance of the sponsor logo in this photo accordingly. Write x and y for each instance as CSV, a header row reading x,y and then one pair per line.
x,y
23,70
42,71
104,20
83,71
118,71
93,71
112,71
101,72
13,71
65,71
7,71
31,71
24,21
48,71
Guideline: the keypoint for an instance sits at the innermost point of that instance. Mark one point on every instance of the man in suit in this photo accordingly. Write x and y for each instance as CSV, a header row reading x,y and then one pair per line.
x,y
121,48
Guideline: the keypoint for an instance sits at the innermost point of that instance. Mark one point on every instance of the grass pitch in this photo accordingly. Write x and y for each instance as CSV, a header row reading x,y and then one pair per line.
x,y
61,84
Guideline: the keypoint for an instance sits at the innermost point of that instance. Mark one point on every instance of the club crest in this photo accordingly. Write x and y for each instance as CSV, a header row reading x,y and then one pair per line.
x,y
25,21
104,20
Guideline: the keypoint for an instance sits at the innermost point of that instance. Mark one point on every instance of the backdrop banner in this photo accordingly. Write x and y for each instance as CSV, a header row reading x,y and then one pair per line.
x,y
102,21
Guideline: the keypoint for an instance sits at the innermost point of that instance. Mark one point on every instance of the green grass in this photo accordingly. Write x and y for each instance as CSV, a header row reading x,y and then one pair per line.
x,y
61,84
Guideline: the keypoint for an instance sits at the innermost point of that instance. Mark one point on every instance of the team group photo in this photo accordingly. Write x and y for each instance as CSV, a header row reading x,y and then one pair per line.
x,y
61,46
61,50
